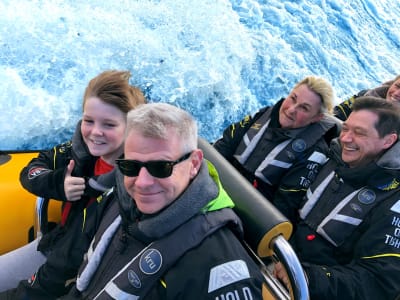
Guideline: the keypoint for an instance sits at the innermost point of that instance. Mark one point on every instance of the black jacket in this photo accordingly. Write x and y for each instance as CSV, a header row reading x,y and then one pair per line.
x,y
203,272
288,186
349,237
64,245
44,177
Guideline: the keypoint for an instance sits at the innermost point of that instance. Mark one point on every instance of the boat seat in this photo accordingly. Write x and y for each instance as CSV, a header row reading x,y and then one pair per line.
x,y
17,219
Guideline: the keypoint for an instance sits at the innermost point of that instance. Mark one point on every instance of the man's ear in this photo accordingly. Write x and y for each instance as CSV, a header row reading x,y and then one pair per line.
x,y
196,159
389,140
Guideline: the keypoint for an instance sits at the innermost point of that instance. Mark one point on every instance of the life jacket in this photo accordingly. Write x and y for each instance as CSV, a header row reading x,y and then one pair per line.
x,y
344,218
138,276
270,165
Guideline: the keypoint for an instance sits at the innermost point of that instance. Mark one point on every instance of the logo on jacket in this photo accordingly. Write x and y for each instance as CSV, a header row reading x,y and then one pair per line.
x,y
394,184
150,261
133,279
63,148
299,145
32,279
36,171
396,207
357,208
366,196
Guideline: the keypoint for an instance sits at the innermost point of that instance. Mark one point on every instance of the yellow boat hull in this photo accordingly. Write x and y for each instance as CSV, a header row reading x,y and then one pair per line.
x,y
17,206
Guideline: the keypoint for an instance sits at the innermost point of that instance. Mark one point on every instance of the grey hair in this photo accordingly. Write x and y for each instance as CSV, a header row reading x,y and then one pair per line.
x,y
155,120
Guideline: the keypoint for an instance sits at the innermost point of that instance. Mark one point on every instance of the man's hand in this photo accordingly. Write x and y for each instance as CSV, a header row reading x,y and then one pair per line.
x,y
280,273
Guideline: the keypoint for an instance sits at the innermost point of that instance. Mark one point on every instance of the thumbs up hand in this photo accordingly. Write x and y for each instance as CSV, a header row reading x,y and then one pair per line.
x,y
73,186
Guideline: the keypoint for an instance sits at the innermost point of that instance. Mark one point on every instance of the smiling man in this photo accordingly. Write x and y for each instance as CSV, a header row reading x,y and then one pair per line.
x,y
348,238
362,143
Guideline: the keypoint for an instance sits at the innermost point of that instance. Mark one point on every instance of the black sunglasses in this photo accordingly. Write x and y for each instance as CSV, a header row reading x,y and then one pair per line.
x,y
156,168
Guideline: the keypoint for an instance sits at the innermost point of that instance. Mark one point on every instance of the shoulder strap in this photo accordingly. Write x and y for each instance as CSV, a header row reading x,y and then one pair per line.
x,y
145,269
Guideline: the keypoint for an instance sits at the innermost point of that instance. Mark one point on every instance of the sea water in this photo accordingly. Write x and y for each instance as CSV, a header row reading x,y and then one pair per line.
x,y
219,59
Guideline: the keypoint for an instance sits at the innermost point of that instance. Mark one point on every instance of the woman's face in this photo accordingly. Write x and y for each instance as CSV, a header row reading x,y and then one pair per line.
x,y
393,93
301,108
103,127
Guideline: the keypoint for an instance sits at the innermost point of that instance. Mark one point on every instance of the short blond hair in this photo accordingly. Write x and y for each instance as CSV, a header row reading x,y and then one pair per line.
x,y
321,87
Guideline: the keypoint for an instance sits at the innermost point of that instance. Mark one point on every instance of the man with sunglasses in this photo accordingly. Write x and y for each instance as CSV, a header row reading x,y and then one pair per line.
x,y
169,231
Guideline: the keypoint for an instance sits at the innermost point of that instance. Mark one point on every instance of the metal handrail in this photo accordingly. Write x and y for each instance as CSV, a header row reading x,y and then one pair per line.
x,y
41,216
297,278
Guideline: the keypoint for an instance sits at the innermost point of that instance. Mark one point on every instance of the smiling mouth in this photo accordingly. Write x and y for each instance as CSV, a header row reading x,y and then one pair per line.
x,y
349,148
395,99
149,194
98,142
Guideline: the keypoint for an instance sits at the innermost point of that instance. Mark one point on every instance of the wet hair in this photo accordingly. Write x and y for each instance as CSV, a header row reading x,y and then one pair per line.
x,y
388,113
323,89
112,87
155,120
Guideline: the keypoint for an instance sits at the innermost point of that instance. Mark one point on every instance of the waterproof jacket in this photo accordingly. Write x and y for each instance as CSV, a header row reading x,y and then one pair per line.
x,y
349,237
64,245
44,177
217,268
280,163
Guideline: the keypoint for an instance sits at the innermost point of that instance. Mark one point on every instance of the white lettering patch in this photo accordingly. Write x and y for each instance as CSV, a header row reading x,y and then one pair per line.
x,y
396,207
392,241
318,157
116,293
227,273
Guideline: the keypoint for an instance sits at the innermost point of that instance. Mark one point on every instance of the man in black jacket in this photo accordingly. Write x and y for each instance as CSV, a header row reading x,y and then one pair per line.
x,y
348,238
176,235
